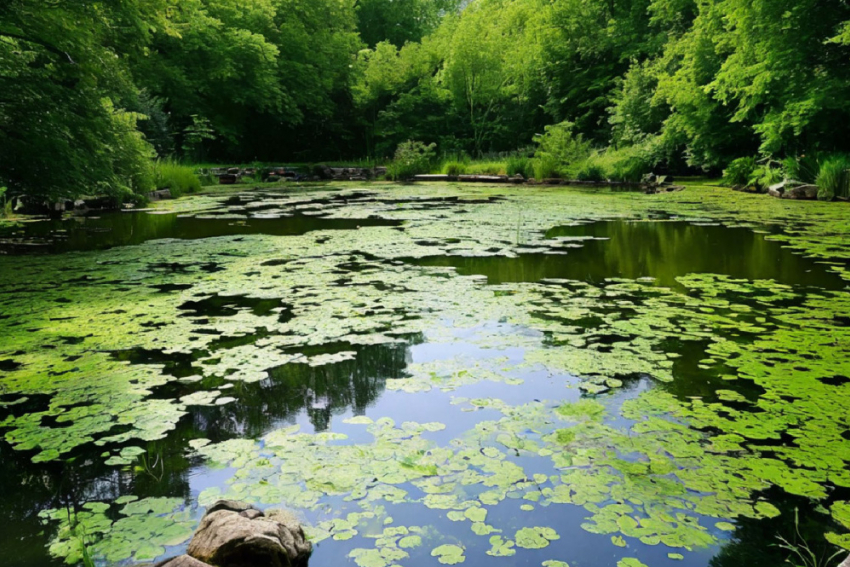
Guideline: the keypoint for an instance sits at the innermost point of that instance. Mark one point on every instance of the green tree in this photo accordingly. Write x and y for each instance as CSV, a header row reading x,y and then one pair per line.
x,y
400,21
63,85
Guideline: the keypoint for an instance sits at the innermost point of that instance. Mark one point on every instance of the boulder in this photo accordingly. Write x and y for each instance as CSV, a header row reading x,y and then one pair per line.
x,y
802,193
182,561
159,195
230,506
778,190
234,534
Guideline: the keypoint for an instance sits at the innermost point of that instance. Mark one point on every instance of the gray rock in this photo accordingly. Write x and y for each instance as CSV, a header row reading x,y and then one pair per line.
x,y
229,505
234,534
779,189
802,193
182,561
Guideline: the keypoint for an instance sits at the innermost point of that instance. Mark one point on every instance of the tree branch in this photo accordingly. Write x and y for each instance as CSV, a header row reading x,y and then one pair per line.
x,y
45,45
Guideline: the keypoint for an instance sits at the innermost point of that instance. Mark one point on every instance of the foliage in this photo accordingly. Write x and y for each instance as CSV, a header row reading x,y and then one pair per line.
x,y
400,21
194,136
411,158
833,179
739,172
179,179
546,168
454,168
590,171
703,83
560,144
767,173
486,168
520,165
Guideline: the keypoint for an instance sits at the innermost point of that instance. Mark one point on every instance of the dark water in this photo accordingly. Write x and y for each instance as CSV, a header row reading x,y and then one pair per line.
x,y
127,228
319,398
661,250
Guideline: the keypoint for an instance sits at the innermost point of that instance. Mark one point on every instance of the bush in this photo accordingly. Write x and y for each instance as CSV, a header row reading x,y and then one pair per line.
x,y
206,178
767,174
454,168
411,158
803,168
625,165
179,179
546,167
630,170
589,171
561,146
520,165
833,179
739,172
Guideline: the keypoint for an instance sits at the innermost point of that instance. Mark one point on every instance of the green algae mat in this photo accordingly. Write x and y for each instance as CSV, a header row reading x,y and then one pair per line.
x,y
432,375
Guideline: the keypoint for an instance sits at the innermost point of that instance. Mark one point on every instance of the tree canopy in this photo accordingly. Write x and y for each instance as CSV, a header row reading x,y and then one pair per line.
x,y
91,91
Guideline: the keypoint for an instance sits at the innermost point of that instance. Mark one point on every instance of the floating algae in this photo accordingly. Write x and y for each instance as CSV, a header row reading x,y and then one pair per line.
x,y
406,407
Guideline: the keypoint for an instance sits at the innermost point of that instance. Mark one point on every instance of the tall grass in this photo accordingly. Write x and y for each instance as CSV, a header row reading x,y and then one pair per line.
x,y
626,165
487,168
589,171
833,179
5,205
454,168
546,167
520,165
178,178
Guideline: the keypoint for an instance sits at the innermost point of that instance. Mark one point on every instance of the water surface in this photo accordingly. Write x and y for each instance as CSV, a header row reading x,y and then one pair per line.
x,y
691,413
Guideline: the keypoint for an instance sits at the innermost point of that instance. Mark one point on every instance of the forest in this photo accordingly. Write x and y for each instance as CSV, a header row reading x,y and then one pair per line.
x,y
92,94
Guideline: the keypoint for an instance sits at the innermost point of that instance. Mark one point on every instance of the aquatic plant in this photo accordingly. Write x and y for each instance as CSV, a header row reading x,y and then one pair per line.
x,y
802,554
675,465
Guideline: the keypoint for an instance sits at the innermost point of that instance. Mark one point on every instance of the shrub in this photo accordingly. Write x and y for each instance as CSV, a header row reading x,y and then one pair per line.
x,y
520,165
561,146
625,165
546,167
630,170
767,174
833,179
206,179
411,158
802,168
589,171
454,168
739,171
179,179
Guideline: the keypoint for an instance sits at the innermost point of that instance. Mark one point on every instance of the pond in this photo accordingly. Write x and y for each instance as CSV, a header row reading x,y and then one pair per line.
x,y
432,375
